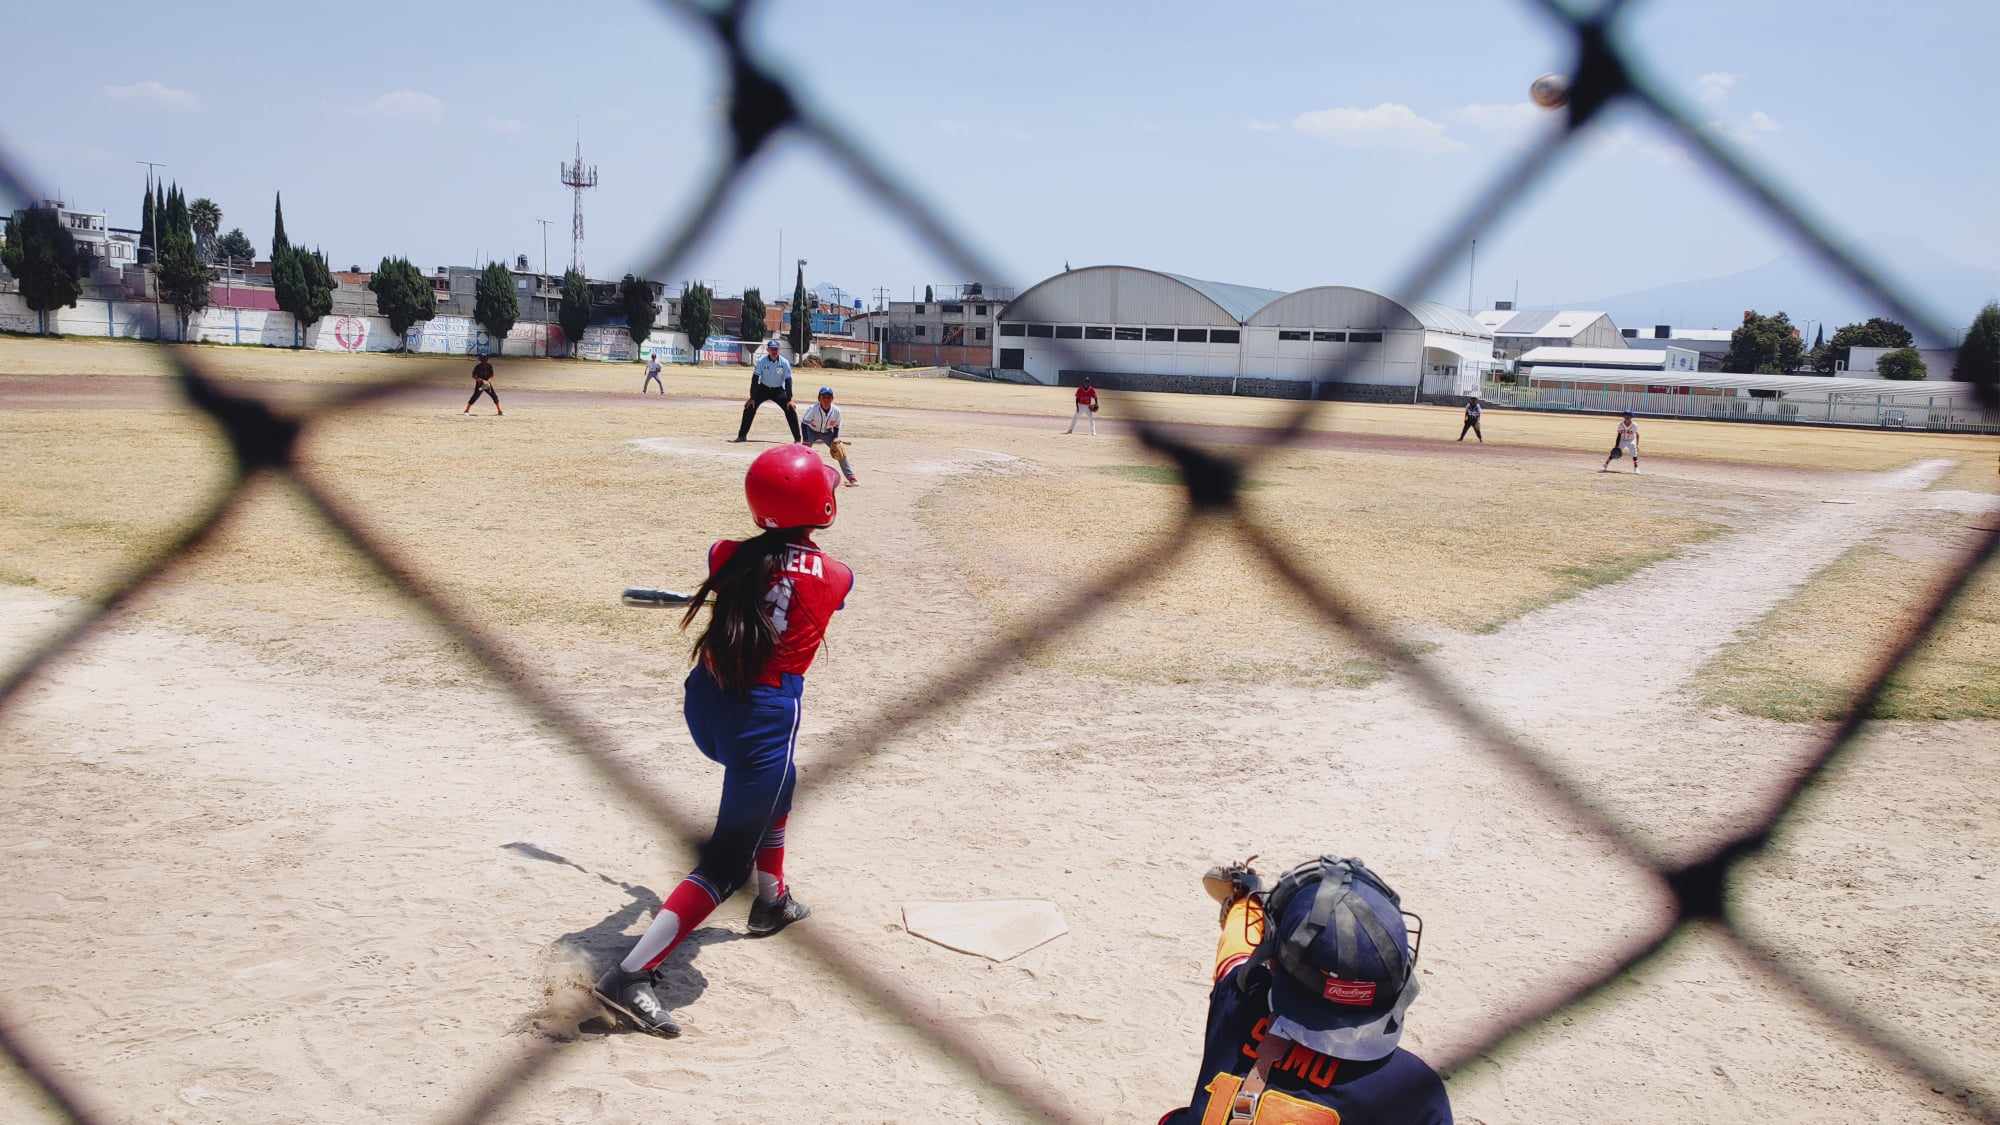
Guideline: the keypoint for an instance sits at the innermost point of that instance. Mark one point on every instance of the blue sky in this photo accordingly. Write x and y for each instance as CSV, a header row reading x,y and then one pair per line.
x,y
1281,145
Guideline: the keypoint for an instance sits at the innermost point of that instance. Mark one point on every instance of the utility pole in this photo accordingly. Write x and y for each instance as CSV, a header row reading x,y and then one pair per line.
x,y
150,166
545,266
1471,268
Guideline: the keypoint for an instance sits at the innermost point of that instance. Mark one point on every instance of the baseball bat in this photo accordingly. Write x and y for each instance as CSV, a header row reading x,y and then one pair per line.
x,y
646,597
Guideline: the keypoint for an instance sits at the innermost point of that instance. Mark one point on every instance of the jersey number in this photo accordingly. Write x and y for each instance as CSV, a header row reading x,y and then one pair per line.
x,y
1274,1108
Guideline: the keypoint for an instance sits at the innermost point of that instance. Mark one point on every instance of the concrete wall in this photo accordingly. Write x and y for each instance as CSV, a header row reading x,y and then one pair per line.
x,y
444,335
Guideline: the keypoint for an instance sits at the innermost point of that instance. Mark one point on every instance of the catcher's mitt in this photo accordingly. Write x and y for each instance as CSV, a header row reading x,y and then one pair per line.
x,y
1225,883
1093,408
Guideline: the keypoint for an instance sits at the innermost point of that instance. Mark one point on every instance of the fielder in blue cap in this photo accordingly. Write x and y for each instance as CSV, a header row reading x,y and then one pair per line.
x,y
1313,982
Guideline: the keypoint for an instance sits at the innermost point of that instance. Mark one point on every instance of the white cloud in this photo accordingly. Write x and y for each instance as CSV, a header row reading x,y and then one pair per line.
x,y
1761,122
1499,117
1263,126
159,93
501,126
1714,88
413,104
1386,126
1651,146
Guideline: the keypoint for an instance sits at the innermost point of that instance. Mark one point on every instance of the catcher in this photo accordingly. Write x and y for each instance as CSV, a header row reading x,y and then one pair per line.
x,y
1313,981
821,423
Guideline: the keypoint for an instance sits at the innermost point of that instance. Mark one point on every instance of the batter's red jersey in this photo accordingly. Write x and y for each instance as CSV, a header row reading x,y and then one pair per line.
x,y
807,589
1086,396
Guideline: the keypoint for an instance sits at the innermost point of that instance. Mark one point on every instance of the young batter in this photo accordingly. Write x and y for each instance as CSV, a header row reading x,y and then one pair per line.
x,y
774,595
1626,444
821,423
482,384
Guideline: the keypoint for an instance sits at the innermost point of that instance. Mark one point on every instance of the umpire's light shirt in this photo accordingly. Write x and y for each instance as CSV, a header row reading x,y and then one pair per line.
x,y
773,373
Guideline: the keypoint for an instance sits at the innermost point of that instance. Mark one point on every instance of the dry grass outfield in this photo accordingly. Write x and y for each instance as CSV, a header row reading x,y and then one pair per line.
x,y
1777,446
1427,543
1805,659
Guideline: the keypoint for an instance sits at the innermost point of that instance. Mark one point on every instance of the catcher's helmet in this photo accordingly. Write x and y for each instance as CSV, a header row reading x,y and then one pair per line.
x,y
790,487
1341,958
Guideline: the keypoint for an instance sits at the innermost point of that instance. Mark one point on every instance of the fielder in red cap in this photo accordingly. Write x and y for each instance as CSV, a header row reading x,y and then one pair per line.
x,y
774,595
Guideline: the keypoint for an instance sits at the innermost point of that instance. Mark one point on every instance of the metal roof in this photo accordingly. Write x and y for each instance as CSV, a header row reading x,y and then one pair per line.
x,y
1444,318
1623,357
1238,301
1549,322
1795,384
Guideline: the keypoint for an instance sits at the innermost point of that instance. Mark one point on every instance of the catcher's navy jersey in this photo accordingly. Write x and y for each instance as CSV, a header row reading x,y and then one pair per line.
x,y
1305,1087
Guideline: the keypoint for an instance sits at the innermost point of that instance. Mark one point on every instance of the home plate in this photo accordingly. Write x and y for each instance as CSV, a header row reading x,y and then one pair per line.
x,y
998,929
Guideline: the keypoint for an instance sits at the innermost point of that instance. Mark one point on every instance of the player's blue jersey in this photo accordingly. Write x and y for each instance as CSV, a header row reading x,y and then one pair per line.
x,y
1304,1087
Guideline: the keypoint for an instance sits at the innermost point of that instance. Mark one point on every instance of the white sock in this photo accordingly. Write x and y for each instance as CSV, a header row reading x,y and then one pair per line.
x,y
658,936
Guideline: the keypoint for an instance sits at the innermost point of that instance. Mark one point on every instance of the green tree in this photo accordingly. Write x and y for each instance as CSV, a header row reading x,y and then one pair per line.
x,y
642,307
289,279
184,277
43,257
207,220
1767,345
1903,363
801,318
235,247
1878,332
319,287
402,294
697,307
279,243
148,234
928,298
750,325
494,305
1979,355
574,311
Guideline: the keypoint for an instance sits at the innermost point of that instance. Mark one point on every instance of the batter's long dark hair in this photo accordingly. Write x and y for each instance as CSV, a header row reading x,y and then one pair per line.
x,y
740,637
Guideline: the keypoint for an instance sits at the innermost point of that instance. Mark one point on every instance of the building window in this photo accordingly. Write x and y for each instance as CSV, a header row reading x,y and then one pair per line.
x,y
919,330
1127,334
1095,333
1194,336
1069,331
1013,330
920,310
1293,336
979,334
1041,331
979,310
1224,336
1364,337
1329,337
950,309
1159,335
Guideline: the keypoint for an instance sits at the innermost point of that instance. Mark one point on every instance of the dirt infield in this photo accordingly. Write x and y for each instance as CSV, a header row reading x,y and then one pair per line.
x,y
277,852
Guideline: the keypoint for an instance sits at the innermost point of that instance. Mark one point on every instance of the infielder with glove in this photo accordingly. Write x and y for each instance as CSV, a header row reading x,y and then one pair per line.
x,y
1313,982
821,422
770,381
1086,407
482,384
774,596
1626,443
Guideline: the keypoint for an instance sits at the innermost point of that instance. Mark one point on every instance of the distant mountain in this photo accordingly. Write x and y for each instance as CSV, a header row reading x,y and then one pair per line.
x,y
1802,286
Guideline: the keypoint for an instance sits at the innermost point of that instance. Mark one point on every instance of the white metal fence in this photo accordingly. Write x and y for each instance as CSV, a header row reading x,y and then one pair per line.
x,y
1901,409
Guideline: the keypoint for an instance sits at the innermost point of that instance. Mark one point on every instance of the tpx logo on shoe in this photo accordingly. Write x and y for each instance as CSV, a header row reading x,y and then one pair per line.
x,y
644,1001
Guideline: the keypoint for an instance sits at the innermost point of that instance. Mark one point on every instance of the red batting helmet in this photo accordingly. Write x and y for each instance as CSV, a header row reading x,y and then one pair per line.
x,y
790,487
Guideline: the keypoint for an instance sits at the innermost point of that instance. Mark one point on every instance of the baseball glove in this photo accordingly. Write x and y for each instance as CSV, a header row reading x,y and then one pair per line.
x,y
1225,883
1093,408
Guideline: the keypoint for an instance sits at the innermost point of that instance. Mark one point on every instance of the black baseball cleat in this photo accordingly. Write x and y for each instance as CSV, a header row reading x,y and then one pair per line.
x,y
767,918
631,995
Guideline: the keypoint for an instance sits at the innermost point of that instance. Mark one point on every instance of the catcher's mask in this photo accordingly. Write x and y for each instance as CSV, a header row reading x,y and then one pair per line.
x,y
1342,954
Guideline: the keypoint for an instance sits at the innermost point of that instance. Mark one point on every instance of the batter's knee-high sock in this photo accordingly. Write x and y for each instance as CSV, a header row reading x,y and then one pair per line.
x,y
771,862
685,908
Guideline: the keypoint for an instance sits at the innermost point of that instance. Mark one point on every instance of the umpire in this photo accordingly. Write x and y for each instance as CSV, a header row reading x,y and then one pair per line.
x,y
770,381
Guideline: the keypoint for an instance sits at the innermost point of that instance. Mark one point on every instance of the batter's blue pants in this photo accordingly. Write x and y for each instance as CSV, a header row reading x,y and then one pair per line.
x,y
753,738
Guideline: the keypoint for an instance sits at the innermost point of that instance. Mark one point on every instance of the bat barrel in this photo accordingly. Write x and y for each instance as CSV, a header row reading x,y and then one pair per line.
x,y
646,597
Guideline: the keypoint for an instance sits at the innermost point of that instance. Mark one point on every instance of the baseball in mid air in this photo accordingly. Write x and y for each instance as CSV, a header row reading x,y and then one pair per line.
x,y
1550,91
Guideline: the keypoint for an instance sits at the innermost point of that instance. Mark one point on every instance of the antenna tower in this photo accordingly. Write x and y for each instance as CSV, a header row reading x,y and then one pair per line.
x,y
577,177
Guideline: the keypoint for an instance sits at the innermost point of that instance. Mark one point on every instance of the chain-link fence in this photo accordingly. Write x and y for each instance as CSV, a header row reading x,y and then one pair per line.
x,y
264,439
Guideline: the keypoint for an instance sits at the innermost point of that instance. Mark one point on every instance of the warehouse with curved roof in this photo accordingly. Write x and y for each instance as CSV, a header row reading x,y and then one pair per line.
x,y
1124,326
